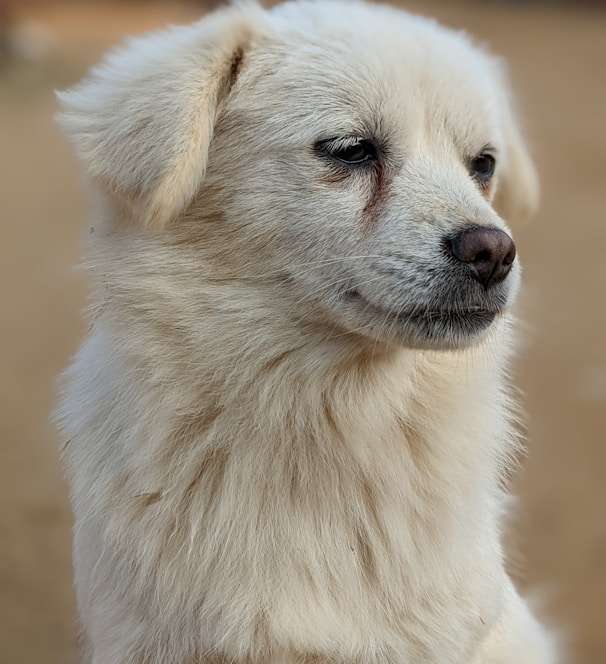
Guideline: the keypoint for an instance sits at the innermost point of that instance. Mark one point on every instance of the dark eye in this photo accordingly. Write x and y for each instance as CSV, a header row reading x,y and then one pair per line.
x,y
356,153
482,167
351,151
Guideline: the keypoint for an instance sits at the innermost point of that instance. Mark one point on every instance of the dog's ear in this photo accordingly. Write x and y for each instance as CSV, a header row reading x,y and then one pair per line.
x,y
517,194
143,119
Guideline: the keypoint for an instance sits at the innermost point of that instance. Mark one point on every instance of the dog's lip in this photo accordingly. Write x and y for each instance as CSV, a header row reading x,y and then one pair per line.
x,y
477,313
467,314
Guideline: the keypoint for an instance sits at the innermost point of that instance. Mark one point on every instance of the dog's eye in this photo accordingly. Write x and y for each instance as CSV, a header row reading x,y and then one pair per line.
x,y
482,167
348,151
356,153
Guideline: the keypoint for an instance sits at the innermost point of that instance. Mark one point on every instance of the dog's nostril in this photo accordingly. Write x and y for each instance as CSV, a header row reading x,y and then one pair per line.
x,y
489,253
482,256
511,256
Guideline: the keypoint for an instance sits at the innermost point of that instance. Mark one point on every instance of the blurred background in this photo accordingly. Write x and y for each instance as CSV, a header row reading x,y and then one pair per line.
x,y
557,57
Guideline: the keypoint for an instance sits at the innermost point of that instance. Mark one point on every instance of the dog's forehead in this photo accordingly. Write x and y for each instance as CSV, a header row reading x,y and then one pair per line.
x,y
328,65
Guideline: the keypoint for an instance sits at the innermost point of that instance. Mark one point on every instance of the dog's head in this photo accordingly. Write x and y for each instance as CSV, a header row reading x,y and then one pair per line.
x,y
354,156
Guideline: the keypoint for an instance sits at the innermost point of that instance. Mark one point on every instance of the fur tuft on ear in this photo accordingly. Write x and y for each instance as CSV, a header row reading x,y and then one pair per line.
x,y
143,119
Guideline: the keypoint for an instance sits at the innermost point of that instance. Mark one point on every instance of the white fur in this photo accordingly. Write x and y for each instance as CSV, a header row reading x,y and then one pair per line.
x,y
263,470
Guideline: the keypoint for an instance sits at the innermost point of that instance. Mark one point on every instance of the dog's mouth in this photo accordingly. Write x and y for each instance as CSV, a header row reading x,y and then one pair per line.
x,y
474,316
430,327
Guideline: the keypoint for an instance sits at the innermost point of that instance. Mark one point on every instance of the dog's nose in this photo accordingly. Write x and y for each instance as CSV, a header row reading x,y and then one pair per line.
x,y
489,253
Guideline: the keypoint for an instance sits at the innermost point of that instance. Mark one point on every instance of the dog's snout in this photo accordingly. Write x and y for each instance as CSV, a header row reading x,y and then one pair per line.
x,y
489,253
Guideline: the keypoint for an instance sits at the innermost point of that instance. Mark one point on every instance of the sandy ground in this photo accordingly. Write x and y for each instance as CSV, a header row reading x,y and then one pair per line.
x,y
558,60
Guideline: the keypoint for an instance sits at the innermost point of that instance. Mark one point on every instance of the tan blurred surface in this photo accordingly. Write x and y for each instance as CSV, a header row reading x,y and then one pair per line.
x,y
558,60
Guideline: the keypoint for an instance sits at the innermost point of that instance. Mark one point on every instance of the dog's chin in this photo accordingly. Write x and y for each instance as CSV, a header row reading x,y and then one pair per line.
x,y
423,328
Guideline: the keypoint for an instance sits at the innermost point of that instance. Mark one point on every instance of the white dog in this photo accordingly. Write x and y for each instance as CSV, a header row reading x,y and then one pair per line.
x,y
288,430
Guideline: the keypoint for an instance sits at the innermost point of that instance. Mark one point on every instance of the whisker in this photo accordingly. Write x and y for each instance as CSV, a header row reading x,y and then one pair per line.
x,y
310,265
